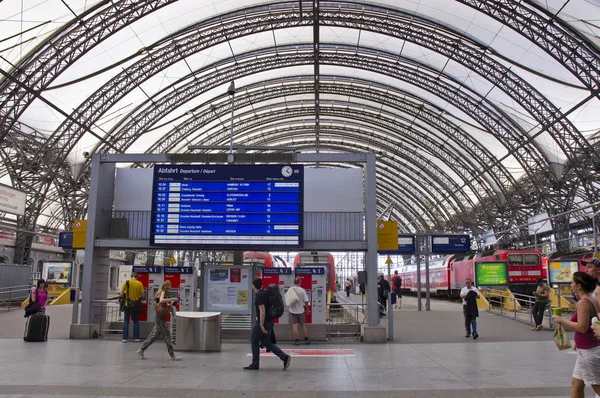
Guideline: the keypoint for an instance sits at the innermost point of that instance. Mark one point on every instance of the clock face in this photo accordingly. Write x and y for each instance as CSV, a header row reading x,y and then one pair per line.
x,y
286,171
230,158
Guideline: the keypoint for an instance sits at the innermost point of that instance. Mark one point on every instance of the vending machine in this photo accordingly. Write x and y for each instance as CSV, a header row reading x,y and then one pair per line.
x,y
151,278
312,280
282,277
183,285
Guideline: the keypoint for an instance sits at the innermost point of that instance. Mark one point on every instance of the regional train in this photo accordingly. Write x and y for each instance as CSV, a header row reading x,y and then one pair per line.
x,y
308,259
447,275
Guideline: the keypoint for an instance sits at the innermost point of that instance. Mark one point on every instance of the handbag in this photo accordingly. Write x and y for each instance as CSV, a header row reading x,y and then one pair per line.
x,y
291,297
560,338
162,310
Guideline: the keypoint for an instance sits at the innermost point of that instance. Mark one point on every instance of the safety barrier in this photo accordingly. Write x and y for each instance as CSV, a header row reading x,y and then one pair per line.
x,y
346,320
11,297
110,314
515,305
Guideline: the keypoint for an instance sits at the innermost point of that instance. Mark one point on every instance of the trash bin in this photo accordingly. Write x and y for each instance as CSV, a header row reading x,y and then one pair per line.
x,y
198,331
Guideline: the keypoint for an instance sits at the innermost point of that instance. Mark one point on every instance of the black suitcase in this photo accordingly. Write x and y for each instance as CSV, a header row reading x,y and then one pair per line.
x,y
36,328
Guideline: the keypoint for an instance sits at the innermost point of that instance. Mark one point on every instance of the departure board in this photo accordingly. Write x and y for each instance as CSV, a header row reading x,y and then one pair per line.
x,y
228,206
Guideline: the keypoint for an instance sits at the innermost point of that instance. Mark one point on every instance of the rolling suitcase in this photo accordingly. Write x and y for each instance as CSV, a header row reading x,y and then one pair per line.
x,y
36,328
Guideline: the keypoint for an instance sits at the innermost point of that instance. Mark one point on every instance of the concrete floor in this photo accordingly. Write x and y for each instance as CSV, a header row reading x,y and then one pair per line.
x,y
429,358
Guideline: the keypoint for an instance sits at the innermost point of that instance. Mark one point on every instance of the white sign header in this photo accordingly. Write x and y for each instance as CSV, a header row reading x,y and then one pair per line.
x,y
12,201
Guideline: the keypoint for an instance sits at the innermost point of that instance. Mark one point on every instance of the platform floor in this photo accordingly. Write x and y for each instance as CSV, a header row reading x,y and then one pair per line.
x,y
430,358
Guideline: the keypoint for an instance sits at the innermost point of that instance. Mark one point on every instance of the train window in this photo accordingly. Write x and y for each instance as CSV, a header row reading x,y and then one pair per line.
x,y
523,259
531,259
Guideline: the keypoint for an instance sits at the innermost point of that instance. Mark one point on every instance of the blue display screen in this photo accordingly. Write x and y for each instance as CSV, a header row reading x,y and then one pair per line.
x,y
449,244
228,206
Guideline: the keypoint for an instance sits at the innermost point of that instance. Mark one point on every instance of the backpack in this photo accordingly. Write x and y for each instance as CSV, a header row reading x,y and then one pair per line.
x,y
275,302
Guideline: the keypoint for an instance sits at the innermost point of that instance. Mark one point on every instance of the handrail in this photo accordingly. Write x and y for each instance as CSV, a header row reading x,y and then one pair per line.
x,y
496,296
14,295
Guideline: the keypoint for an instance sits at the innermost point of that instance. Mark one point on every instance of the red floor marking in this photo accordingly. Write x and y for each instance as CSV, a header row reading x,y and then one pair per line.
x,y
310,353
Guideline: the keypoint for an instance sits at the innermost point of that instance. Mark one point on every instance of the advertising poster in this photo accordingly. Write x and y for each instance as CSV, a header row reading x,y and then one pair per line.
x,y
491,274
228,289
57,272
562,271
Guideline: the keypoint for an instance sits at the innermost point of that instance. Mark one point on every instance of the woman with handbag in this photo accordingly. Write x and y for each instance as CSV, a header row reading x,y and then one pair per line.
x,y
160,326
587,366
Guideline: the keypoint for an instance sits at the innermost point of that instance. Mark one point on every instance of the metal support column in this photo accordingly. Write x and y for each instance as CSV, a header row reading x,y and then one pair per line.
x,y
371,231
94,285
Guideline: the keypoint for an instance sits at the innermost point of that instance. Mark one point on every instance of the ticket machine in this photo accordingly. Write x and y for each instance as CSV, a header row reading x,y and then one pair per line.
x,y
183,285
282,277
312,279
151,278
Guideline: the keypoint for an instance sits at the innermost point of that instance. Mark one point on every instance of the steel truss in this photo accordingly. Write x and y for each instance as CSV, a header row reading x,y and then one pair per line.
x,y
40,69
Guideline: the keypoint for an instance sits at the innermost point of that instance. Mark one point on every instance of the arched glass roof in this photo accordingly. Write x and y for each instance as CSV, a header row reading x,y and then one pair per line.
x,y
477,109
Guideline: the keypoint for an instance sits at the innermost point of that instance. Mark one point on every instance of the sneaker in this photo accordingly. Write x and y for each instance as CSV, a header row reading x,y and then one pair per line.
x,y
395,307
306,341
141,354
175,358
137,340
296,342
286,362
539,328
124,341
475,336
468,335
250,367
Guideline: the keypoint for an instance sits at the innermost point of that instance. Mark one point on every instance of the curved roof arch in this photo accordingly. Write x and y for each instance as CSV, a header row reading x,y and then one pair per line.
x,y
507,87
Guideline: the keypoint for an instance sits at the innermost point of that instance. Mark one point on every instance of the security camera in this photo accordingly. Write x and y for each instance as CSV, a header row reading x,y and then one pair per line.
x,y
231,89
86,155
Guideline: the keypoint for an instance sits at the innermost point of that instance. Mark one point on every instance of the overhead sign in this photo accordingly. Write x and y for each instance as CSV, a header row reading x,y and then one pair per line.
x,y
79,232
450,244
65,240
228,206
12,201
387,235
406,245
562,271
491,274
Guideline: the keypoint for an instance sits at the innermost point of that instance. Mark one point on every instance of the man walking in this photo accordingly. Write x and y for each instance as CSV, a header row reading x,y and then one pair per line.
x,y
397,284
541,294
469,295
383,291
298,310
263,328
347,287
132,291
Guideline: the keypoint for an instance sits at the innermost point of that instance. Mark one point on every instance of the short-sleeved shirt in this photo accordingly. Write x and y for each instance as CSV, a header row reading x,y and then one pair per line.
x,y
41,296
541,290
298,306
465,290
261,298
136,289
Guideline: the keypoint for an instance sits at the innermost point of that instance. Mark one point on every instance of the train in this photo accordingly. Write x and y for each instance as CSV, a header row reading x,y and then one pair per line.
x,y
447,275
306,259
265,259
325,259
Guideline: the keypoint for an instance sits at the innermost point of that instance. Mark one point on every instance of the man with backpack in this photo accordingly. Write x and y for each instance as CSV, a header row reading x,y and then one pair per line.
x,y
266,312
397,284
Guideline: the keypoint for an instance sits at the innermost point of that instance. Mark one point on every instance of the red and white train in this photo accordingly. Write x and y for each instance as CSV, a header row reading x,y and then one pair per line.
x,y
447,275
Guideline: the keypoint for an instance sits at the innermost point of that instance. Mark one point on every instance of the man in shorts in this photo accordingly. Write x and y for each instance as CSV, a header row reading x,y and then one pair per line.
x,y
298,312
